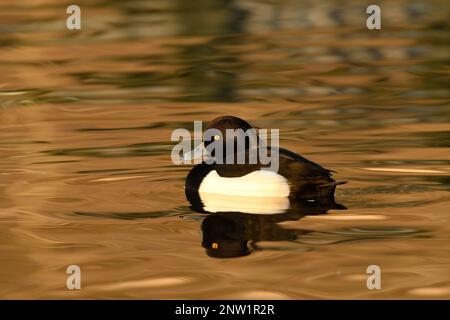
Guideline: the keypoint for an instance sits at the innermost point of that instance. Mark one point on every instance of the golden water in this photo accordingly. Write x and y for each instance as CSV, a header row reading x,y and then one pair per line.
x,y
86,117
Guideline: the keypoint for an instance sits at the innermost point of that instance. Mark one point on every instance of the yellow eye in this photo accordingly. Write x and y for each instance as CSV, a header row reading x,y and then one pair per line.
x,y
216,137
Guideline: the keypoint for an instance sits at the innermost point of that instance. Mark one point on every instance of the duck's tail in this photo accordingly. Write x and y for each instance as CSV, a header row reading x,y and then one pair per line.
x,y
332,184
326,190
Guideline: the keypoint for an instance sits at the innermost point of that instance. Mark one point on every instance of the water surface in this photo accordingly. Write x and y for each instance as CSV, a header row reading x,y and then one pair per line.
x,y
86,174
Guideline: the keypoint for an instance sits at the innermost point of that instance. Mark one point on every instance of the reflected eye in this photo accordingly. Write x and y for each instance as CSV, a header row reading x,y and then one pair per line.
x,y
216,137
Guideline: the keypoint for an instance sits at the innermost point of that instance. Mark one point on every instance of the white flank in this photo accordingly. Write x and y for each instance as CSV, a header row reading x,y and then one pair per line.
x,y
261,183
259,192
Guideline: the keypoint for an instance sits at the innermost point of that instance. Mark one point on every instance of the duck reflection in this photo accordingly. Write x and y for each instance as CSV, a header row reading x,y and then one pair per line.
x,y
229,233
